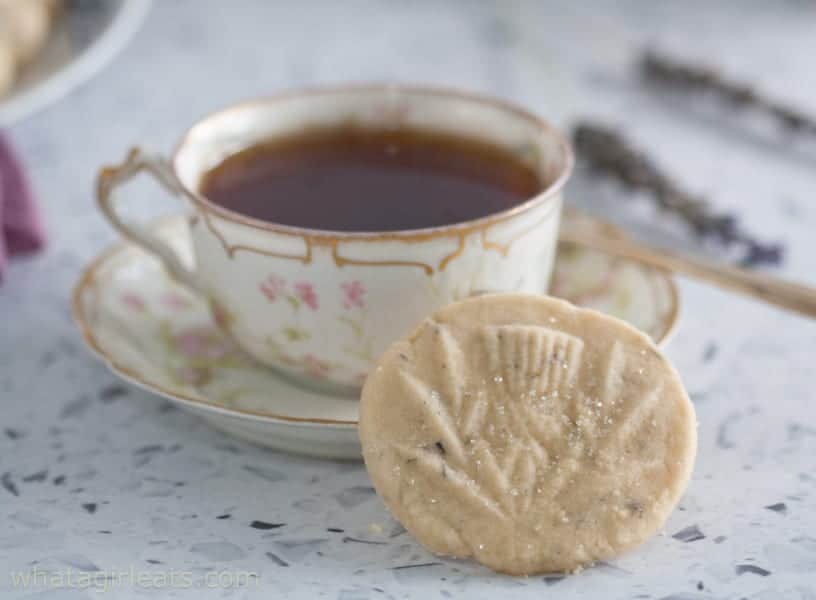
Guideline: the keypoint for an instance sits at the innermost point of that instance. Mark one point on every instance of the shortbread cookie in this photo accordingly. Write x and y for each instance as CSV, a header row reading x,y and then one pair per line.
x,y
527,433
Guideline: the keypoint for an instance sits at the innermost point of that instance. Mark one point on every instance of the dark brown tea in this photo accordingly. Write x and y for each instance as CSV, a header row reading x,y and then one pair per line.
x,y
355,179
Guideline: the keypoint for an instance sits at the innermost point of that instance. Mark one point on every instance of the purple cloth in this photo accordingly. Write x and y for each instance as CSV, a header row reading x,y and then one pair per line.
x,y
21,229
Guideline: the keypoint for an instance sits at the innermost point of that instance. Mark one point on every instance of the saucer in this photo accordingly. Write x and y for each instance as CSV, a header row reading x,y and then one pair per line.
x,y
161,337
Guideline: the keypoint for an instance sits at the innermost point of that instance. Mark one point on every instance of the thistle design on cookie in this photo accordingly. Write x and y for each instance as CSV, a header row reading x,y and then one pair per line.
x,y
534,436
533,371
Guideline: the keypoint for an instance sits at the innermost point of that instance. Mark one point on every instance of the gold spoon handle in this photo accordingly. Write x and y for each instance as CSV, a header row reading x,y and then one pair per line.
x,y
781,293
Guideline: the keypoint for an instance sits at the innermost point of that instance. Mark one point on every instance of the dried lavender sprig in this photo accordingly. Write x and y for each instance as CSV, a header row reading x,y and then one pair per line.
x,y
695,78
608,151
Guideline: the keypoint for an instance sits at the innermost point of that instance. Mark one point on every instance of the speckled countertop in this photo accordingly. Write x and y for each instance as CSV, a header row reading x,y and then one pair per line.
x,y
98,478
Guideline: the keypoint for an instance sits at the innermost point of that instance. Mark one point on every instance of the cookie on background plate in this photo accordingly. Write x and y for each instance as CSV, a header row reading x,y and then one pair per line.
x,y
24,29
527,433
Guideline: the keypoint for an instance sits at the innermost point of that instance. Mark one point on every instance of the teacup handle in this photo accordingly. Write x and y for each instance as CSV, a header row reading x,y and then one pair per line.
x,y
111,177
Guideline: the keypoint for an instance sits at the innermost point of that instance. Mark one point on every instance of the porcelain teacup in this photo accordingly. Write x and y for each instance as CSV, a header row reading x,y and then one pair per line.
x,y
320,305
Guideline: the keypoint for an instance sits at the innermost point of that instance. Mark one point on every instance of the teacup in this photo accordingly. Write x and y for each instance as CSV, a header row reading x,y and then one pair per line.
x,y
319,305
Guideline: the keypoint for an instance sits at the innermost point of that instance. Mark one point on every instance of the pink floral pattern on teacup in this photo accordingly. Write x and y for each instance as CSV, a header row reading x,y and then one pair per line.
x,y
305,291
353,293
289,343
302,292
272,287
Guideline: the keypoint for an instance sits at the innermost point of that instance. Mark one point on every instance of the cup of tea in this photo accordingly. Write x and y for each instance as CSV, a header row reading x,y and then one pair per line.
x,y
326,223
